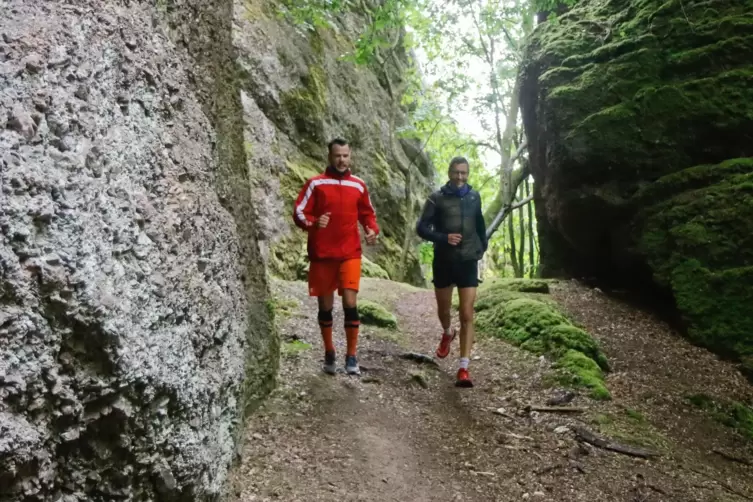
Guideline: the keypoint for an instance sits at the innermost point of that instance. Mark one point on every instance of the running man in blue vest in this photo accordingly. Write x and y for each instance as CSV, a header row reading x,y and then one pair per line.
x,y
453,221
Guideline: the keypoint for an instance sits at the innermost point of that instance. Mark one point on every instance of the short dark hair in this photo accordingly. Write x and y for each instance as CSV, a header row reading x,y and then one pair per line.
x,y
336,141
459,160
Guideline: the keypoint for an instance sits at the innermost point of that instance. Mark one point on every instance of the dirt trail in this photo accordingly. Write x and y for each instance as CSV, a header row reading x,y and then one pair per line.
x,y
403,432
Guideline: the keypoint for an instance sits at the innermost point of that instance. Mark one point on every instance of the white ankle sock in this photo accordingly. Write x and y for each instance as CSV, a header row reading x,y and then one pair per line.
x,y
448,331
464,362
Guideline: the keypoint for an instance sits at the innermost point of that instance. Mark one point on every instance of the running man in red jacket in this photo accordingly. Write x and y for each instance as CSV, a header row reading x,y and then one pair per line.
x,y
329,208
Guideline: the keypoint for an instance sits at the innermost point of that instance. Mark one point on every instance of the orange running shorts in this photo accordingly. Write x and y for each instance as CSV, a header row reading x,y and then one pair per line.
x,y
329,275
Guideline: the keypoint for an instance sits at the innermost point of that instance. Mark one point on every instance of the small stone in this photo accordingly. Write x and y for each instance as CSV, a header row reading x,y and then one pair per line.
x,y
539,495
82,92
562,429
33,63
70,435
84,71
20,121
257,436
143,240
166,479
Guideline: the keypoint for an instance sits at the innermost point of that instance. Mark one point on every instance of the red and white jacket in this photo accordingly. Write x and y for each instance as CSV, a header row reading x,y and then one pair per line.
x,y
347,200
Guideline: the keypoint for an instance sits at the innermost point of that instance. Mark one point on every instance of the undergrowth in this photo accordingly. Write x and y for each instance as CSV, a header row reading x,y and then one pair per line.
x,y
733,414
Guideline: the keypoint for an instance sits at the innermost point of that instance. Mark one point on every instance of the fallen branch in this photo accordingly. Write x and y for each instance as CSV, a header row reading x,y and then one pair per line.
x,y
721,483
731,457
656,489
549,468
555,409
501,412
419,358
503,212
589,437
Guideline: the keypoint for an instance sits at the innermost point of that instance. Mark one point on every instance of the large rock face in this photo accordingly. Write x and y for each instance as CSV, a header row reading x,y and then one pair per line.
x,y
133,330
297,95
639,116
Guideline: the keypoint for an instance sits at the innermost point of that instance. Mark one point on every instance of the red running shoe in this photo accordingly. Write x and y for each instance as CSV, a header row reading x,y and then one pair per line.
x,y
464,379
444,346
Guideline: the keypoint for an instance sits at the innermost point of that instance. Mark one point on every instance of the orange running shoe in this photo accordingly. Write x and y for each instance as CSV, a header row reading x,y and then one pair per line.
x,y
463,379
444,346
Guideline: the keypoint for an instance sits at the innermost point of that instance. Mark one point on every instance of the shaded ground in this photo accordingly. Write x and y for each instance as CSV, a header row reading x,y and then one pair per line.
x,y
403,432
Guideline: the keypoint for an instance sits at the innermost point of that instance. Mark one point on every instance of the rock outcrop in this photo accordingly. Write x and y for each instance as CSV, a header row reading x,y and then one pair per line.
x,y
639,116
298,93
133,328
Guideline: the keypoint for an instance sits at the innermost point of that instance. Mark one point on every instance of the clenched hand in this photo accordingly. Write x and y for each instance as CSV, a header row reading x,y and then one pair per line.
x,y
370,237
454,239
323,220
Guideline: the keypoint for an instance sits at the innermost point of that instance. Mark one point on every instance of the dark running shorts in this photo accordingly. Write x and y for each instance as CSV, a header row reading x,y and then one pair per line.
x,y
462,274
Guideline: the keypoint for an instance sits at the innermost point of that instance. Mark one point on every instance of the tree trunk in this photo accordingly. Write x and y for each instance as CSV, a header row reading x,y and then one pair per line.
x,y
531,237
522,252
513,249
507,186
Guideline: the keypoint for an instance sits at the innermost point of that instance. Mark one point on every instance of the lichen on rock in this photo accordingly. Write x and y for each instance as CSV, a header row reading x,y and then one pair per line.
x,y
132,342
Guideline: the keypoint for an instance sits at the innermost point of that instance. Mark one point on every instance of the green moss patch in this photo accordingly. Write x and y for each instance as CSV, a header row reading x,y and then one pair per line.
x,y
292,350
698,237
733,414
307,105
375,314
371,269
630,428
501,290
538,327
522,285
281,307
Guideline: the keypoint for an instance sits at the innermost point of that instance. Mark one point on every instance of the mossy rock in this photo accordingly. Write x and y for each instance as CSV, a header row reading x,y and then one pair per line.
x,y
520,285
643,116
375,314
577,369
540,328
501,290
698,237
371,269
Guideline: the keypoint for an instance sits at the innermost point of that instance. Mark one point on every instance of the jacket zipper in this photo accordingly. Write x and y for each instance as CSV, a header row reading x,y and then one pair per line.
x,y
462,222
340,192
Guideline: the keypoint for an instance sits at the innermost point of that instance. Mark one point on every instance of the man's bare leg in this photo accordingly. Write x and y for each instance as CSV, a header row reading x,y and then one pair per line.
x,y
467,299
444,312
444,306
